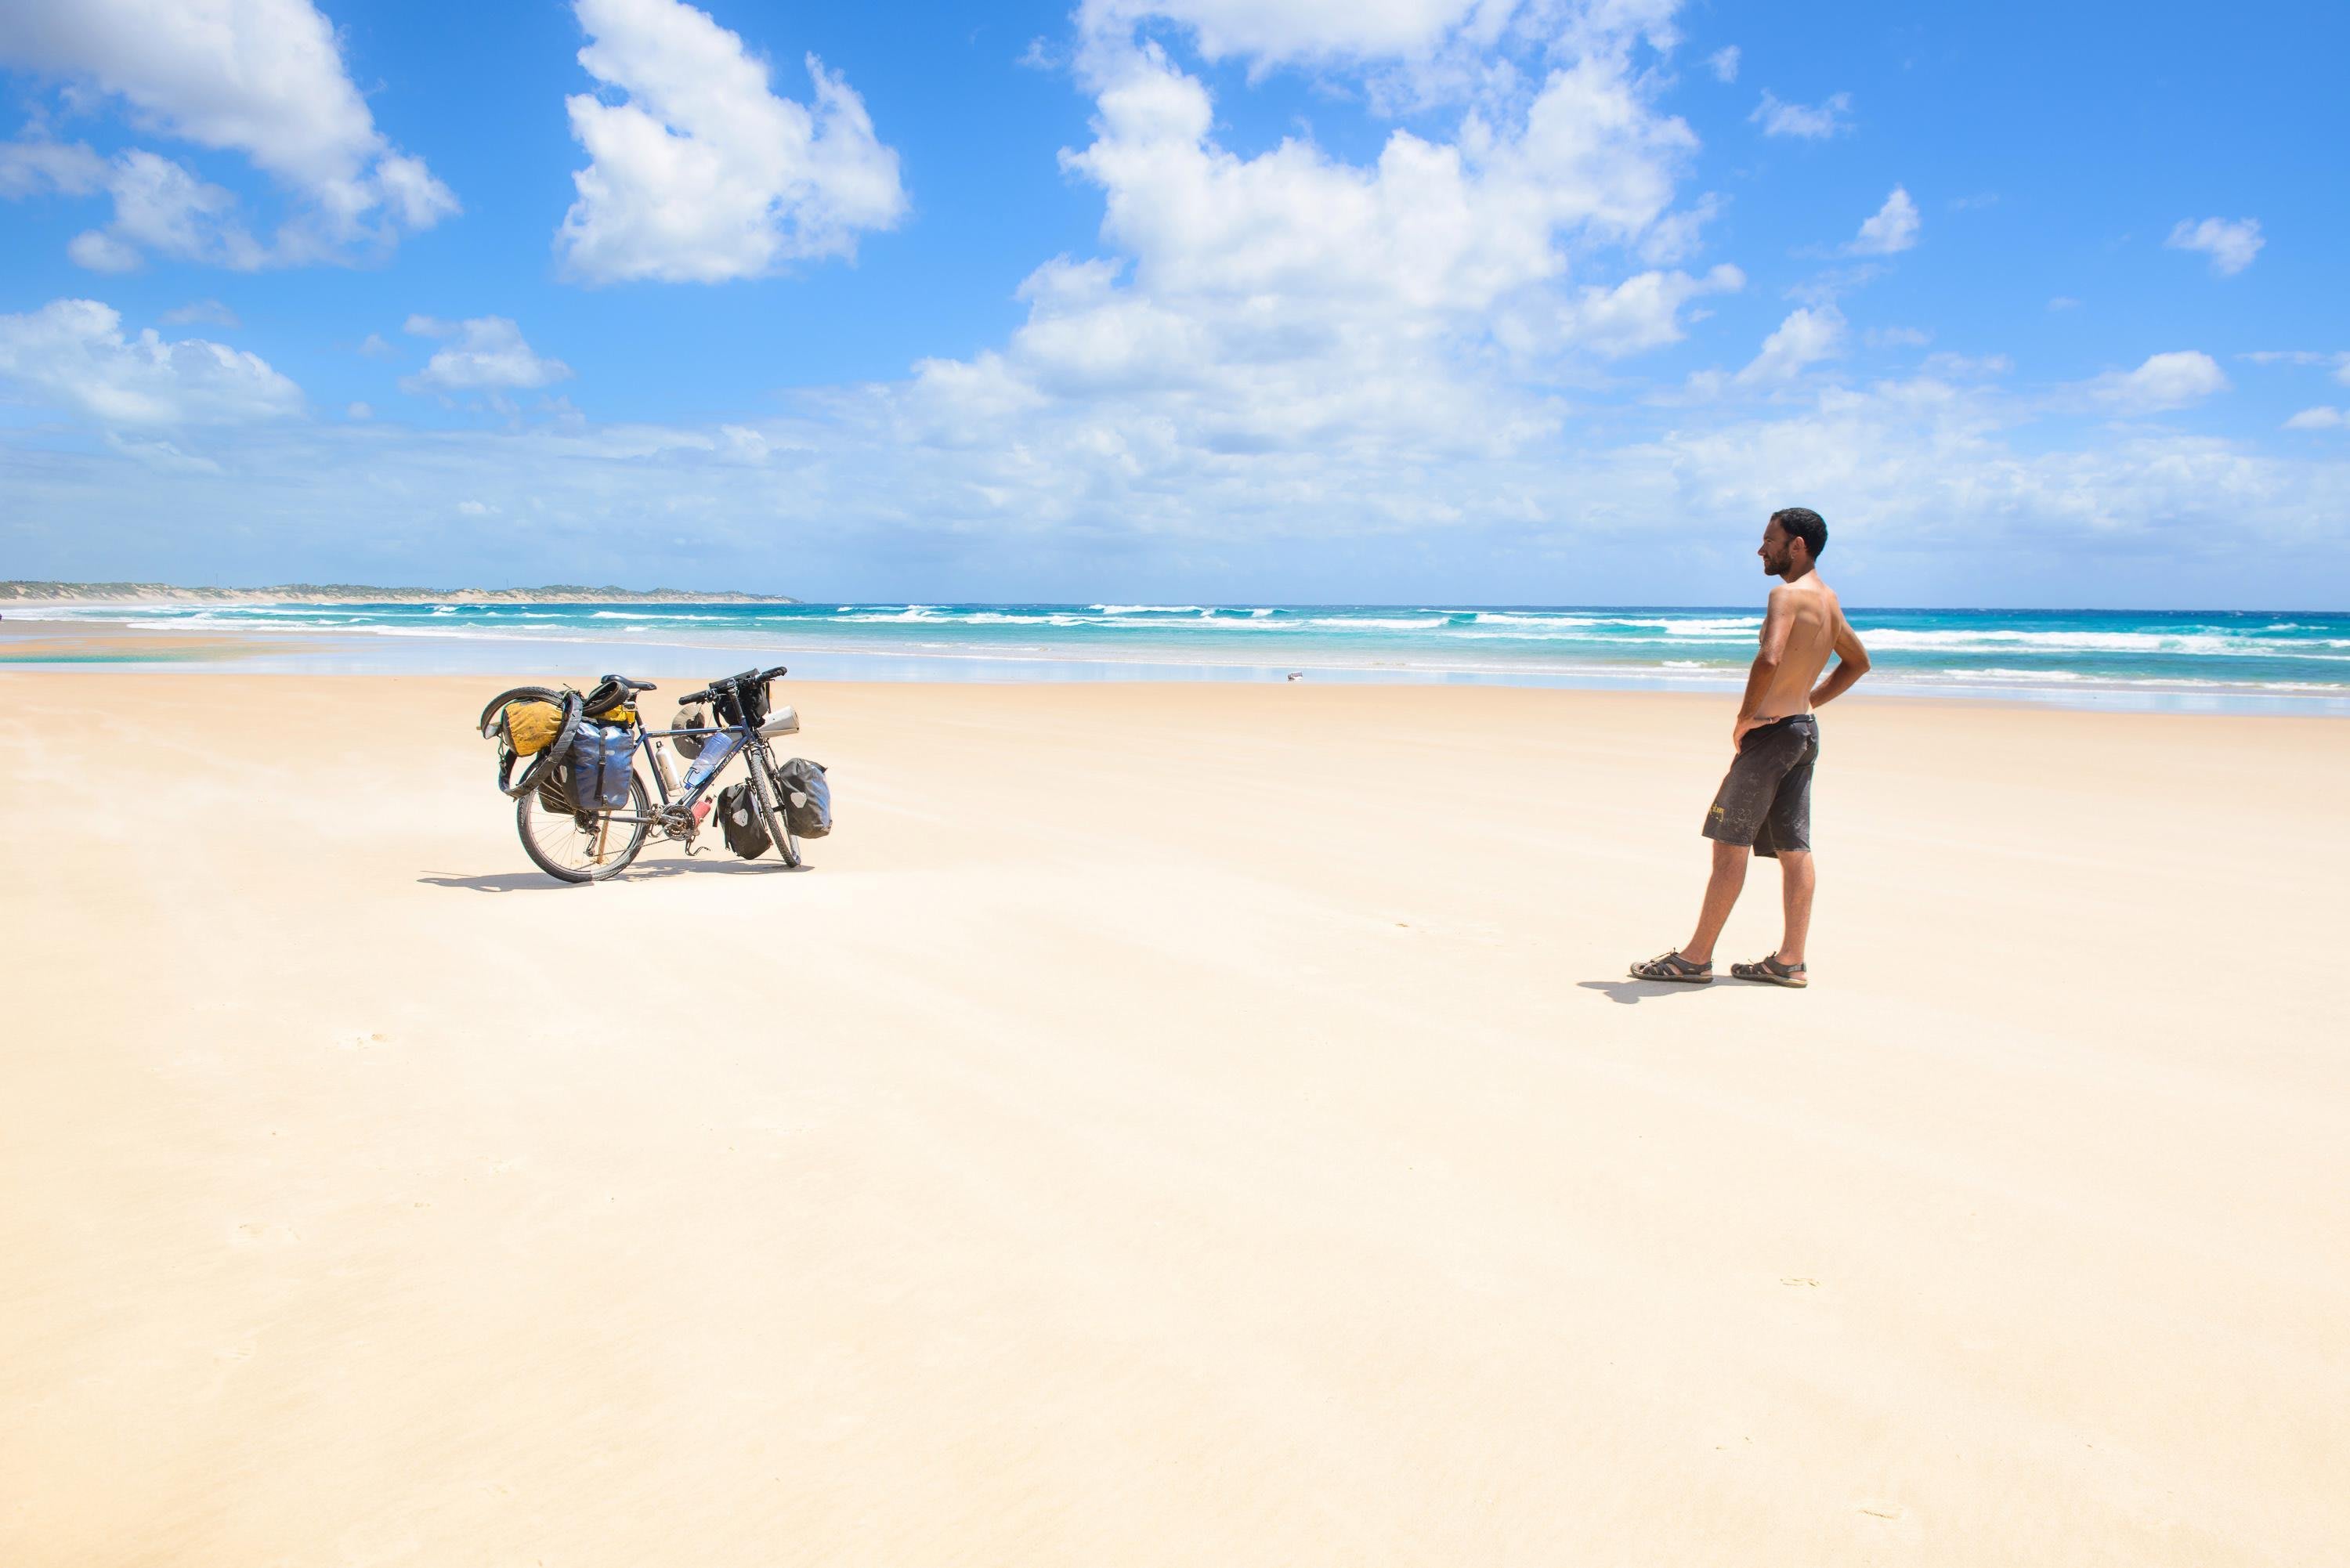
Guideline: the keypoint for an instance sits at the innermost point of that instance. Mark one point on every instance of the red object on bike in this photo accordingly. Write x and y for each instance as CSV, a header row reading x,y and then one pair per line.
x,y
701,811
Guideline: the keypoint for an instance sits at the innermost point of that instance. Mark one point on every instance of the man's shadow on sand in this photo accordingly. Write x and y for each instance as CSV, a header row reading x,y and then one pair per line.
x,y
540,882
1629,992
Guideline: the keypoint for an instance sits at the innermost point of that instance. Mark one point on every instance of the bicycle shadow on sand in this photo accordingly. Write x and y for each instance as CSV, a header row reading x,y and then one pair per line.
x,y
540,882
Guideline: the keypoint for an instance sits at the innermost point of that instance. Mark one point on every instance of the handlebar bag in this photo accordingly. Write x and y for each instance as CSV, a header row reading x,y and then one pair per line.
x,y
744,824
741,700
807,798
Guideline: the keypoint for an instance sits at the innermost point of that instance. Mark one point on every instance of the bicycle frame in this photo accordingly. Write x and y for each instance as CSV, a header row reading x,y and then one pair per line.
x,y
753,741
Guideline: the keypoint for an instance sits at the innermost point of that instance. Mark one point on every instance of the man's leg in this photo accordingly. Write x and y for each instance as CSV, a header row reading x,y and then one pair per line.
x,y
1797,877
1720,897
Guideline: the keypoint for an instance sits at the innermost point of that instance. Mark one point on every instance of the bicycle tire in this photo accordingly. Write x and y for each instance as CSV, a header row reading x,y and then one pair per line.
x,y
515,694
563,826
779,825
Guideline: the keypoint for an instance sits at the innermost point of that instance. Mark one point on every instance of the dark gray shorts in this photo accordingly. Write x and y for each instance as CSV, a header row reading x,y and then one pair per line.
x,y
1765,799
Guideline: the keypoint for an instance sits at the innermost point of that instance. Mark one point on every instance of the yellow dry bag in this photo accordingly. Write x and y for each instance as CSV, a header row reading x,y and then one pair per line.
x,y
531,727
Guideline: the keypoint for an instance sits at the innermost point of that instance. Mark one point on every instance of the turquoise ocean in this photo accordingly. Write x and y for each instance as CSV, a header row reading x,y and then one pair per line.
x,y
2187,660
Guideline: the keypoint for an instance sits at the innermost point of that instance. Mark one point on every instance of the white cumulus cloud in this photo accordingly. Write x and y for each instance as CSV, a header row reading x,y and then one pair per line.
x,y
704,174
1812,122
72,354
1296,302
208,312
1642,312
1723,63
2339,361
2231,245
160,205
262,77
36,165
1808,336
1279,31
2165,381
2318,419
486,353
1893,229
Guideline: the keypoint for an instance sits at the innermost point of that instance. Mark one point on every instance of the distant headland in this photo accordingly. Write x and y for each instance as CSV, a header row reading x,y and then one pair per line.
x,y
362,594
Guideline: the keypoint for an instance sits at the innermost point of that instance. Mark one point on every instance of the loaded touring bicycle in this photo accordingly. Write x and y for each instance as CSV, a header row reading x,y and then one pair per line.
x,y
582,808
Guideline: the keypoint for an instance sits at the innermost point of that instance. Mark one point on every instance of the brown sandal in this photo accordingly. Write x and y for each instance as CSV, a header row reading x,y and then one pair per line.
x,y
1673,966
1770,971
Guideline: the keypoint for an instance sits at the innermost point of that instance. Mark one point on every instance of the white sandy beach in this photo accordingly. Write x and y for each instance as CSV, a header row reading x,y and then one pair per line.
x,y
1170,1125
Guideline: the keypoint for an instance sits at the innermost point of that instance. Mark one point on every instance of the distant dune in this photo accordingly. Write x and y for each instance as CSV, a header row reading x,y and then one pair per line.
x,y
361,592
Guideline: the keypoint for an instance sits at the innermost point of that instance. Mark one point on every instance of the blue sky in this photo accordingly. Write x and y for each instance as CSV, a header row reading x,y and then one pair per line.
x,y
1495,300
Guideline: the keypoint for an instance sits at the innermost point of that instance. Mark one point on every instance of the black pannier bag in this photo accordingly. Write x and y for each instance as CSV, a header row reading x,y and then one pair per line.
x,y
806,799
742,700
744,824
556,791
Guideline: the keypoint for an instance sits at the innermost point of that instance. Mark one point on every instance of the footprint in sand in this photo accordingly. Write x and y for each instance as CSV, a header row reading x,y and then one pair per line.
x,y
359,1042
255,1233
1799,1281
1879,1509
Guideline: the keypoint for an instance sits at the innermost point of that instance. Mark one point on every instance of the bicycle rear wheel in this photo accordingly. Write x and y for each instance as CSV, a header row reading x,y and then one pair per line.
x,y
575,847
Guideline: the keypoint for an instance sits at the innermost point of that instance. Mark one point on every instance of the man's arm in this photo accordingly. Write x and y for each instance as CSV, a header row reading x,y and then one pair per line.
x,y
1778,620
1852,663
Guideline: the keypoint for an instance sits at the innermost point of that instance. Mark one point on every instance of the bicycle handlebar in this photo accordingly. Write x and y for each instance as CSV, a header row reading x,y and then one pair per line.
x,y
710,692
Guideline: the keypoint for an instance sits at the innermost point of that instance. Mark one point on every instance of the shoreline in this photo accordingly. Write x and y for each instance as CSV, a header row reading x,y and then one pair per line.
x,y
130,645
108,595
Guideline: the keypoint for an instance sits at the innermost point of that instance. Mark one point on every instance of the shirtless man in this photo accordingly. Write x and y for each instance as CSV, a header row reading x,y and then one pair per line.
x,y
1765,805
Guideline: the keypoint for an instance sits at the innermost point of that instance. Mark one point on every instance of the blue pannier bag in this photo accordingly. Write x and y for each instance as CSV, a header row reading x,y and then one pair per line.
x,y
595,776
619,752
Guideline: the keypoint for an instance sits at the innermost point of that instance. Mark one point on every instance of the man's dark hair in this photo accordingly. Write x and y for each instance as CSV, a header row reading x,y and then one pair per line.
x,y
1803,522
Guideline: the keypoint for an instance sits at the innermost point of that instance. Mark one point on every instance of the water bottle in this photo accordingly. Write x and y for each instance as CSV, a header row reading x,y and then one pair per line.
x,y
715,749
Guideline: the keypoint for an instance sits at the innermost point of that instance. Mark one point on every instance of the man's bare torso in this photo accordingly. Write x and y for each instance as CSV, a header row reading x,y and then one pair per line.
x,y
1813,617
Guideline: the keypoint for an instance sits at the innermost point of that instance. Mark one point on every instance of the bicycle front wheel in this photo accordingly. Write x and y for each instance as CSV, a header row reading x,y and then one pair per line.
x,y
583,847
769,794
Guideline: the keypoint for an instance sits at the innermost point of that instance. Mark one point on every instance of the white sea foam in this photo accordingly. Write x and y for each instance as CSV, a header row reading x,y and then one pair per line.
x,y
1515,617
1995,672
1991,639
